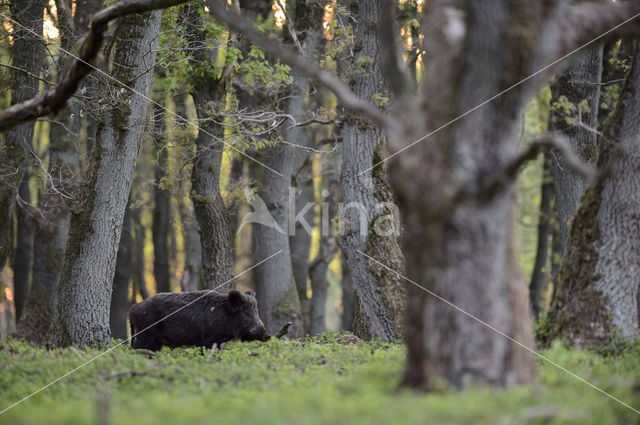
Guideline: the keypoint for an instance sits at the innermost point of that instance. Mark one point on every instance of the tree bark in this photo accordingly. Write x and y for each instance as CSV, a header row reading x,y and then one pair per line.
x,y
207,89
27,56
123,274
162,199
380,293
84,293
576,84
596,296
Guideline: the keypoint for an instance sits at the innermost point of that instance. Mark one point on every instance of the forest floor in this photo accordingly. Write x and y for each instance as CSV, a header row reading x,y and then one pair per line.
x,y
318,381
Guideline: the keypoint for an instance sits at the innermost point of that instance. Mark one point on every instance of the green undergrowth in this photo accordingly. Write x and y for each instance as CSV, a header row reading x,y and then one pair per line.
x,y
318,381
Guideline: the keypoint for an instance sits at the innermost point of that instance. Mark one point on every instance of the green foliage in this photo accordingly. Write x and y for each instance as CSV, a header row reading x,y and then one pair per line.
x,y
270,76
317,381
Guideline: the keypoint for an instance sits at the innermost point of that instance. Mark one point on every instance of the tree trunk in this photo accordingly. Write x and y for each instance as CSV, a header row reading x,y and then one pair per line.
x,y
82,316
27,57
300,243
191,275
279,298
367,196
544,232
139,282
576,85
596,296
460,245
162,199
21,263
122,277
213,218
348,296
320,266
52,222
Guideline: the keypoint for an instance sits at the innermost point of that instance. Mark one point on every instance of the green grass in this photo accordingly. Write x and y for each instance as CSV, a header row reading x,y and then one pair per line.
x,y
314,382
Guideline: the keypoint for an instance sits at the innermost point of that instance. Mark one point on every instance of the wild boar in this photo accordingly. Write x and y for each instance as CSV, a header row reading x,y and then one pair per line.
x,y
200,319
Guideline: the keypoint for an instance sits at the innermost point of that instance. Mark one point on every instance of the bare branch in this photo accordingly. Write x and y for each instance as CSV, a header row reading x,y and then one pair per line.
x,y
30,74
56,98
497,183
312,70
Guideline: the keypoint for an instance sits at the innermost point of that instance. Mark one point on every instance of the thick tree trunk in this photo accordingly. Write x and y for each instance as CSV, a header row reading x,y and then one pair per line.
x,y
85,286
576,84
27,57
596,296
462,250
380,293
544,232
124,271
210,210
162,199
21,263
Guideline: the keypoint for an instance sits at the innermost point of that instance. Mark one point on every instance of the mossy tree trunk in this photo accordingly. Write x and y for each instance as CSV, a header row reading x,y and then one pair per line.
x,y
208,88
579,86
84,293
597,289
380,294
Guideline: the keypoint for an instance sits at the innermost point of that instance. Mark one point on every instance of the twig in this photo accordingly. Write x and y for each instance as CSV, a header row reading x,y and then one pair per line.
x,y
30,74
292,30
284,330
120,373
213,350
75,350
145,352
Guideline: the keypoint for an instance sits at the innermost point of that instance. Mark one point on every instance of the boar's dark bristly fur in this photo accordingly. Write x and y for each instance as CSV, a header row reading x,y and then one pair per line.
x,y
198,319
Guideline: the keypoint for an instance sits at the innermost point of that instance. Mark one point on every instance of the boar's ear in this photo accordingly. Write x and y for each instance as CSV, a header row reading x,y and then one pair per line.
x,y
235,299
